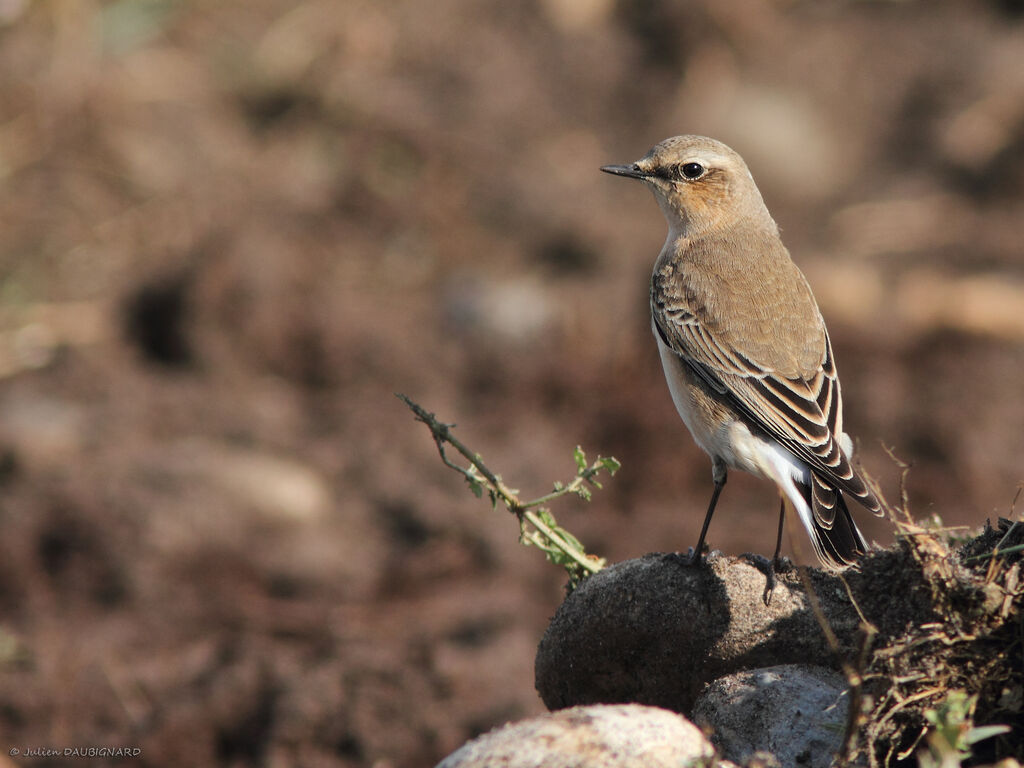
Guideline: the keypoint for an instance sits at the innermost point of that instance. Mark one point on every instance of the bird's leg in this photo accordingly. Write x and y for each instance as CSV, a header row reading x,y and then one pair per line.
x,y
776,558
776,561
719,473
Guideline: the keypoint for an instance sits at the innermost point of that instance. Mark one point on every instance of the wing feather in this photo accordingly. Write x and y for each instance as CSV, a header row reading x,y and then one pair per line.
x,y
803,414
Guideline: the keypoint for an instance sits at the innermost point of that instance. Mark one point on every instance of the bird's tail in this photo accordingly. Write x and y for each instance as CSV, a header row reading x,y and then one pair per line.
x,y
837,540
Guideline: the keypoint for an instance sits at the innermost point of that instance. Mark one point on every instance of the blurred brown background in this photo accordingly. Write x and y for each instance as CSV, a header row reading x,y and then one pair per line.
x,y
229,232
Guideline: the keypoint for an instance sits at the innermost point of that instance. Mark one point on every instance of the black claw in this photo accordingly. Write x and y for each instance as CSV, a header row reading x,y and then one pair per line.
x,y
767,567
769,587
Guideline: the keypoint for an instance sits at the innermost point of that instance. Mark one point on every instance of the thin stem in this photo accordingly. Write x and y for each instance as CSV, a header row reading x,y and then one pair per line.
x,y
585,562
545,536
572,487
442,434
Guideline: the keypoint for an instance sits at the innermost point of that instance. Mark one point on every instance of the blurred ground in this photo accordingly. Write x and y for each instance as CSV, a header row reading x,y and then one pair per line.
x,y
228,232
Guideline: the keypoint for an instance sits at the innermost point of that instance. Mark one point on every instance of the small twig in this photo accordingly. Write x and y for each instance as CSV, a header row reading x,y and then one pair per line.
x,y
441,433
1006,536
996,552
904,467
854,675
558,544
905,701
1016,496
936,529
910,750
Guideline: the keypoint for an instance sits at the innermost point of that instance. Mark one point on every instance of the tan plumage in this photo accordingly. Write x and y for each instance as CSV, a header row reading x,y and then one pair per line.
x,y
745,350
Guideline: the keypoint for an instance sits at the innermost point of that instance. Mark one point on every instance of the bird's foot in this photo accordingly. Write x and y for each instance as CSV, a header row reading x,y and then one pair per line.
x,y
782,565
769,568
691,558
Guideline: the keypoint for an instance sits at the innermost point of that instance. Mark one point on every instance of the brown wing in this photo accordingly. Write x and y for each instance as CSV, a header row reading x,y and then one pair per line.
x,y
803,414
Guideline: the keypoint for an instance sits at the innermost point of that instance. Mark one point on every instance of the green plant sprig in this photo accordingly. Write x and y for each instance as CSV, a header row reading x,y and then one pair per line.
x,y
953,731
537,526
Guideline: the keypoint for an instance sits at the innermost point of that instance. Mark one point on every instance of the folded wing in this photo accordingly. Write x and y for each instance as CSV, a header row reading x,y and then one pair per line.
x,y
803,413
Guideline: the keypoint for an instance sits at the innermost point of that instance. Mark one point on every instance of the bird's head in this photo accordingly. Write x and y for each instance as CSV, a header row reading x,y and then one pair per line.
x,y
701,184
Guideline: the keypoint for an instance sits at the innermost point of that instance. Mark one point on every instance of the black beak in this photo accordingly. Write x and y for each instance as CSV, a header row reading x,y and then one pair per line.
x,y
632,171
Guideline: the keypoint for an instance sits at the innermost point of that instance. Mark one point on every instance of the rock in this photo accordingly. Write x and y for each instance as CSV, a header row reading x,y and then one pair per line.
x,y
655,631
608,736
794,711
517,311
277,486
43,432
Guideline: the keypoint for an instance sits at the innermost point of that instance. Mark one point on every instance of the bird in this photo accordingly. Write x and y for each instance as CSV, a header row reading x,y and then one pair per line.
x,y
746,353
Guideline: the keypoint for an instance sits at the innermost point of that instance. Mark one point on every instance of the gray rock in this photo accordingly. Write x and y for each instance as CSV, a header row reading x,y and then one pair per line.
x,y
795,712
655,631
601,736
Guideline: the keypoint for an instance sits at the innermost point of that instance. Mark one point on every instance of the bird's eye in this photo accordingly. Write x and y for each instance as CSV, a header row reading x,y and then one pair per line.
x,y
692,170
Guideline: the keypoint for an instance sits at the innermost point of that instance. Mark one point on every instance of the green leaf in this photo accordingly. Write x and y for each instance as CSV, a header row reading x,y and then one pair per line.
x,y
610,463
557,556
547,517
570,539
985,732
581,459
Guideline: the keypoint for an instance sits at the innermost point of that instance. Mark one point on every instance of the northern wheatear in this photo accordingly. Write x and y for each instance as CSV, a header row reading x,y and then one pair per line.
x,y
744,348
